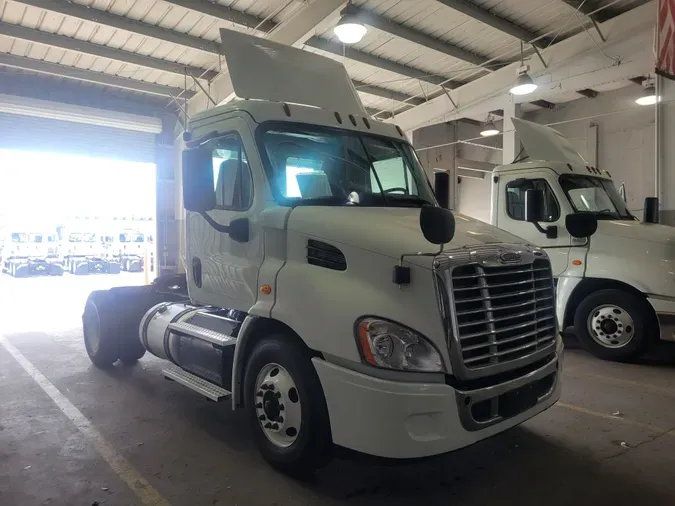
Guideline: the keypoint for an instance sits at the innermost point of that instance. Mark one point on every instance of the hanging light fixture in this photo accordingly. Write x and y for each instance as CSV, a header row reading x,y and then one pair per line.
x,y
490,129
350,29
648,93
524,83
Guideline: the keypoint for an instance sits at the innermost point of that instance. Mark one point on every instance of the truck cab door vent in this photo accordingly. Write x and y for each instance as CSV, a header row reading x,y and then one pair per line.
x,y
325,255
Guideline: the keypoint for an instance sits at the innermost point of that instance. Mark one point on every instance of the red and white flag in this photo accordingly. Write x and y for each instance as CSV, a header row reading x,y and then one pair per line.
x,y
665,39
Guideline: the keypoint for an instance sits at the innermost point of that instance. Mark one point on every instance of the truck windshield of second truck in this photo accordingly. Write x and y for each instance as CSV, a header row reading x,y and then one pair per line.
x,y
334,167
596,195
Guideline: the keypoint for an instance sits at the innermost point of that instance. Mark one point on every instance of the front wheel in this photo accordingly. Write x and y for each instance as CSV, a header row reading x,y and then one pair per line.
x,y
286,406
614,325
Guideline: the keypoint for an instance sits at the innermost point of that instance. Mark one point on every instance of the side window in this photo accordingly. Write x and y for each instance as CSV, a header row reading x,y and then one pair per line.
x,y
515,199
231,174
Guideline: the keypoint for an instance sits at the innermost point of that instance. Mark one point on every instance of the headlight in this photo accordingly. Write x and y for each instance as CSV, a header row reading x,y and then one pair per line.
x,y
392,346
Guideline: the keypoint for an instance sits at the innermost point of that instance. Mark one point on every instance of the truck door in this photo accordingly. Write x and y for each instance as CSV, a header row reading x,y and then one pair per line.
x,y
223,268
511,213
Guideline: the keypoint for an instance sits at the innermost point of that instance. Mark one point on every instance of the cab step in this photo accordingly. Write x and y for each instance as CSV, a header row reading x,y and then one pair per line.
x,y
211,336
199,385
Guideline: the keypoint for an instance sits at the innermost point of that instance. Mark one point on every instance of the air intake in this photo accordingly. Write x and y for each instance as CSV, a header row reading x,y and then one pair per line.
x,y
324,255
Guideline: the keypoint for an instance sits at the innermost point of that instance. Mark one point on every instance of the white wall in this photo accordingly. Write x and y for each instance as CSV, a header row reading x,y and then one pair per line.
x,y
438,158
626,140
470,196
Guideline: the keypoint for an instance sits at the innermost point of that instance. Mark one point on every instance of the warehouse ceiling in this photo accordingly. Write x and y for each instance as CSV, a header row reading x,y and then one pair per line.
x,y
158,55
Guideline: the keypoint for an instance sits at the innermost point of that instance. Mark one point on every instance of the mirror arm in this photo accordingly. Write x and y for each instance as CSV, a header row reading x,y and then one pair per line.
x,y
225,229
551,232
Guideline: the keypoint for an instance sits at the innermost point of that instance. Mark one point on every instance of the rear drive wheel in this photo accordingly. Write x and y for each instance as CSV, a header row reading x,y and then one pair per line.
x,y
100,330
614,324
286,406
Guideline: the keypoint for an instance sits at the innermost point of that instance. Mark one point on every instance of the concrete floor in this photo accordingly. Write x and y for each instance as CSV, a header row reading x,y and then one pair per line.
x,y
195,453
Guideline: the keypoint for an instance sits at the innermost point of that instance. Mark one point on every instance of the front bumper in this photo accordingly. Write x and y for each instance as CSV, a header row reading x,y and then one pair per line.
x,y
665,314
409,420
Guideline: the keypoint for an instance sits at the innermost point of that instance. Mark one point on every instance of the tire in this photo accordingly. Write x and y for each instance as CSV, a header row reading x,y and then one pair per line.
x,y
100,329
311,446
614,325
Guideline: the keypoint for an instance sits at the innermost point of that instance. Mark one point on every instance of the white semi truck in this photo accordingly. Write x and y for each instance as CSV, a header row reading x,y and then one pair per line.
x,y
616,290
327,293
25,253
82,252
128,248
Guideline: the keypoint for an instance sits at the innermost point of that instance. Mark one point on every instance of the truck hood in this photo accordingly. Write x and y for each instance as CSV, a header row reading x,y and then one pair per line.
x,y
388,231
643,232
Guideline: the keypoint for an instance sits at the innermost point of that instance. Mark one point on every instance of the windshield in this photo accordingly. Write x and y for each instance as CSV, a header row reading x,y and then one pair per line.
x,y
34,237
89,237
75,237
18,237
132,237
320,166
596,195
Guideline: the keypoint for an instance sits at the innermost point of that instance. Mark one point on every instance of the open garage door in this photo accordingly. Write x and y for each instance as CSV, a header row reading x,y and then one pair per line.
x,y
29,133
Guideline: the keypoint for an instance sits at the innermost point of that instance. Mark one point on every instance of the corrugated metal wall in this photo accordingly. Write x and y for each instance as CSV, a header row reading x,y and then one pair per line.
x,y
29,133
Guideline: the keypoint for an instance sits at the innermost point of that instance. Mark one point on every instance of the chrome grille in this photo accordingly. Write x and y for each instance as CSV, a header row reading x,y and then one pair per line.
x,y
502,312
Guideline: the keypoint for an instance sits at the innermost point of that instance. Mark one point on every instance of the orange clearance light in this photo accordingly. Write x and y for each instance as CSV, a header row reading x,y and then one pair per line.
x,y
576,262
266,289
365,345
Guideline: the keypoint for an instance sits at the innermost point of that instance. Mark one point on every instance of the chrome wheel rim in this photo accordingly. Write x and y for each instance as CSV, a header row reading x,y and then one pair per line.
x,y
611,326
277,405
92,330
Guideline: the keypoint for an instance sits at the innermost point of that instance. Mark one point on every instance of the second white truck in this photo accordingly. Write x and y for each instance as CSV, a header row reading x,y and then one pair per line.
x,y
616,290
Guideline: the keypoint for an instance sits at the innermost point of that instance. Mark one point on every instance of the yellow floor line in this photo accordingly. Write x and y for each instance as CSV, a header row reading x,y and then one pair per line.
x,y
652,428
121,466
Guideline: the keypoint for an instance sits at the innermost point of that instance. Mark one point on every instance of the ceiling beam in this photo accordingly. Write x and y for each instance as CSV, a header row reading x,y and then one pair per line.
x,y
68,8
216,10
80,46
386,93
45,67
587,7
588,93
498,23
637,80
55,89
374,61
544,104
403,32
627,34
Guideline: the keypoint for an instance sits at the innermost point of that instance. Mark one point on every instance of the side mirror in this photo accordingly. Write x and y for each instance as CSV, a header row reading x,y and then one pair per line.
x,y
199,194
581,225
437,224
534,206
442,189
651,210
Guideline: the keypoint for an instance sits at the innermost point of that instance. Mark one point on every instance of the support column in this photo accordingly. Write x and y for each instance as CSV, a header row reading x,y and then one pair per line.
x,y
166,238
665,150
511,143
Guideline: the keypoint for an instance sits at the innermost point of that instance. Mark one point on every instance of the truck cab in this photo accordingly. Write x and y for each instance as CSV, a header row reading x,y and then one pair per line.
x,y
616,289
128,248
327,293
83,253
27,253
